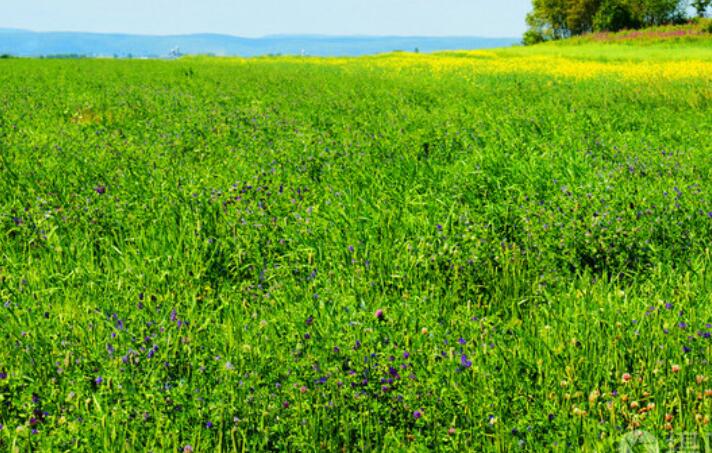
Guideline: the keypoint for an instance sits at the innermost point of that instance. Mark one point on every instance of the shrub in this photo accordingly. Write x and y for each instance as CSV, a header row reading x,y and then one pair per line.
x,y
613,16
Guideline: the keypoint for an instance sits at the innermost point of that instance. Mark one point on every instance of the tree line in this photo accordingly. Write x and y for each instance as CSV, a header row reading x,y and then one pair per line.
x,y
557,19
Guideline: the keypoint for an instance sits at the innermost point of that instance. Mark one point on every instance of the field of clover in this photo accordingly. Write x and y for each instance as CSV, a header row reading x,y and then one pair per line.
x,y
503,251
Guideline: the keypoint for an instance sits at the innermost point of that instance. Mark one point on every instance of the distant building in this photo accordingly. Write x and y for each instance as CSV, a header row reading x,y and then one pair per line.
x,y
175,53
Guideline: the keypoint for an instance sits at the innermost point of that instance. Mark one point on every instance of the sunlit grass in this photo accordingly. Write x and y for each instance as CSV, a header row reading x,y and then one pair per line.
x,y
194,252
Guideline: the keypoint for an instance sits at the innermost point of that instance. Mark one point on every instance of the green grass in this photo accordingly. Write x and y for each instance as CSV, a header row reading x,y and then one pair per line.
x,y
596,51
242,219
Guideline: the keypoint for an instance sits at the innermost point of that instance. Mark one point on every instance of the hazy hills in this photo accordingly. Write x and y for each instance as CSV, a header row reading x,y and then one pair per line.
x,y
29,43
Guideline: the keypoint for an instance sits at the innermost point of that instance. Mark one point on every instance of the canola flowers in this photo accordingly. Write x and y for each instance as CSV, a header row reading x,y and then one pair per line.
x,y
563,63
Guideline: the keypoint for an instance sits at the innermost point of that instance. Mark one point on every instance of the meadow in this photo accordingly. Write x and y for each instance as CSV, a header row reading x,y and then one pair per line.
x,y
502,250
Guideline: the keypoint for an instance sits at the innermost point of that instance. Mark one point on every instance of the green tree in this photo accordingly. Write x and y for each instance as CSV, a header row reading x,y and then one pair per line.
x,y
701,6
549,18
658,12
614,15
557,19
580,14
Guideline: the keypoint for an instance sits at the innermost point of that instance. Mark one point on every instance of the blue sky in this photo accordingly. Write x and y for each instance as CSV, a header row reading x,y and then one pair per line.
x,y
267,17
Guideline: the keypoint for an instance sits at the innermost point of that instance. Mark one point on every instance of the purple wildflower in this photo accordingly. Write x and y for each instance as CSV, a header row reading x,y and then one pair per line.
x,y
101,190
417,414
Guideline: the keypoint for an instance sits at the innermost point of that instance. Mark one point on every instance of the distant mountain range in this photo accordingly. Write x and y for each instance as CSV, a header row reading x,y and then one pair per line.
x,y
35,44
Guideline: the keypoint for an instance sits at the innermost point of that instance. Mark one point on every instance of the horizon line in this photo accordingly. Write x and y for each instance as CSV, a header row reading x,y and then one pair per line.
x,y
278,35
